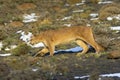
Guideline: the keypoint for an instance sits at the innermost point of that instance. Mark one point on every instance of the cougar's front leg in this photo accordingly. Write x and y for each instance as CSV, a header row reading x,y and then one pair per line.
x,y
42,52
51,48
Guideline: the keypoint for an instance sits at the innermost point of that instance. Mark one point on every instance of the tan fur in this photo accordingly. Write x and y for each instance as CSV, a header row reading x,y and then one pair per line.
x,y
80,34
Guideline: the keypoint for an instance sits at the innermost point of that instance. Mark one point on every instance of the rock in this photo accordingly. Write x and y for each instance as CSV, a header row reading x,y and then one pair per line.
x,y
16,24
26,6
114,54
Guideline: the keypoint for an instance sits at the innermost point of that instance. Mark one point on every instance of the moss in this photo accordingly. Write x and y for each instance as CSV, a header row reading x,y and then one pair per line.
x,y
21,49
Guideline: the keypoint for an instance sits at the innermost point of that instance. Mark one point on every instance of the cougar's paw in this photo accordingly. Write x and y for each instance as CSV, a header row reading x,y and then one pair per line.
x,y
39,54
79,54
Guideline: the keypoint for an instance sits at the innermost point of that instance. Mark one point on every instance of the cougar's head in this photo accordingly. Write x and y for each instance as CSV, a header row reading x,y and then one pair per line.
x,y
35,39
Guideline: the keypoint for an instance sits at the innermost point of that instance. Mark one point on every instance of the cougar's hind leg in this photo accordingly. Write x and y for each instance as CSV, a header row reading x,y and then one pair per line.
x,y
89,38
91,41
83,45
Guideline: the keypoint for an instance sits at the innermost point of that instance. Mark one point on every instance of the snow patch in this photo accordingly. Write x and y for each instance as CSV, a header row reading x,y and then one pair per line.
x,y
26,37
94,15
30,18
13,46
37,45
78,11
110,18
117,17
115,28
111,75
7,49
68,25
66,18
34,70
105,2
103,75
94,19
3,55
82,77
81,3
10,48
78,4
88,24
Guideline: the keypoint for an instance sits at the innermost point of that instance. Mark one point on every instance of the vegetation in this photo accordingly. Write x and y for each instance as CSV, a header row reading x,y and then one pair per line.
x,y
21,49
109,10
54,14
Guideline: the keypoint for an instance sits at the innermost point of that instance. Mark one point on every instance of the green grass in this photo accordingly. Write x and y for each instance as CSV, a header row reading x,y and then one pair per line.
x,y
21,50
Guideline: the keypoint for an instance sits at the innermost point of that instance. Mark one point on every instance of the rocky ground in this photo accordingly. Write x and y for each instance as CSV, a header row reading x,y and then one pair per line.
x,y
40,15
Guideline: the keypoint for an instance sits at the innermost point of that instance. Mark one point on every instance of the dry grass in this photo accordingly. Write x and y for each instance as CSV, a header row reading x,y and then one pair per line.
x,y
109,10
103,36
3,33
92,1
73,1
61,66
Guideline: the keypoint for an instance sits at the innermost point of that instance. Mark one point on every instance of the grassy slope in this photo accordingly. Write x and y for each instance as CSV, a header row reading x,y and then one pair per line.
x,y
61,66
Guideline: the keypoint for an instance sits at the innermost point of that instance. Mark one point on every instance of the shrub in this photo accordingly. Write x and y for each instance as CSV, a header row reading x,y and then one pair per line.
x,y
84,15
110,5
21,49
103,36
109,10
2,34
103,15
